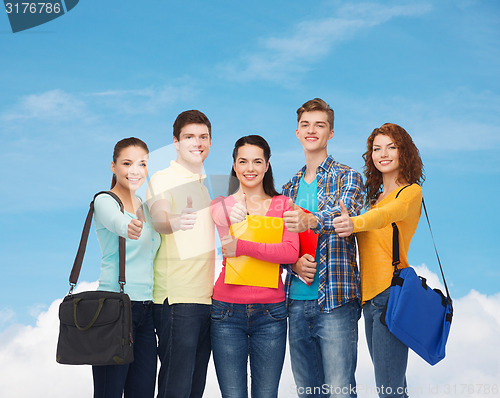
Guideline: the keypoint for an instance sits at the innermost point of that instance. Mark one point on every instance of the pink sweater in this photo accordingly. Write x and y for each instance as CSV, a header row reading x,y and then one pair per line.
x,y
286,252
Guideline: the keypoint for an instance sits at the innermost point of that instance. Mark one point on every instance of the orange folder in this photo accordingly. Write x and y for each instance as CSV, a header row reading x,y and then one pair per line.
x,y
249,271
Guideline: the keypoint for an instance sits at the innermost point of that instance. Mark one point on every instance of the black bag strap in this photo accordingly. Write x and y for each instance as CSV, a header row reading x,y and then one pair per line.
x,y
435,248
77,265
395,239
395,244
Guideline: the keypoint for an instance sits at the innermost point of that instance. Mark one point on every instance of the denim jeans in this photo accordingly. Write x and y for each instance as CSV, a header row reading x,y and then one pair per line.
x,y
389,355
137,379
324,348
242,331
183,348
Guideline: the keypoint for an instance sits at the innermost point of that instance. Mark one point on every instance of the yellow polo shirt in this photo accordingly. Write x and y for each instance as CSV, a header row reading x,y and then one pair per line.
x,y
374,235
184,265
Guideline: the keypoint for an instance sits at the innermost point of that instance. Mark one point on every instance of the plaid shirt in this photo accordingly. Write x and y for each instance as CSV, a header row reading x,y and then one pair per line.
x,y
338,270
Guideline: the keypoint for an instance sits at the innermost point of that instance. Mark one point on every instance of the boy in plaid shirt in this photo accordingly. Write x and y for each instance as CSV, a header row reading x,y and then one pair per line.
x,y
323,291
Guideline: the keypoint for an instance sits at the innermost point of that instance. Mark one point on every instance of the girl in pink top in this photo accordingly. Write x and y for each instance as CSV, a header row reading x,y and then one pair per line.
x,y
249,321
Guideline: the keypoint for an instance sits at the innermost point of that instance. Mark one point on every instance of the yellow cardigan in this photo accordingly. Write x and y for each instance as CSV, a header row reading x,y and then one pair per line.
x,y
374,235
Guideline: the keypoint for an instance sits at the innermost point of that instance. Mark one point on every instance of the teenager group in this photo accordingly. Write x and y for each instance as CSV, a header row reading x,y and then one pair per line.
x,y
181,317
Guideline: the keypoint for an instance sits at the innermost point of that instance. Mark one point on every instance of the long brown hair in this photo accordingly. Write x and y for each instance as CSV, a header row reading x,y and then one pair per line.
x,y
410,163
121,145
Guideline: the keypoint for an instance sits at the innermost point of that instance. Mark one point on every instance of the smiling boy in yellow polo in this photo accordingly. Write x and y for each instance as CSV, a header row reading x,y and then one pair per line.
x,y
179,203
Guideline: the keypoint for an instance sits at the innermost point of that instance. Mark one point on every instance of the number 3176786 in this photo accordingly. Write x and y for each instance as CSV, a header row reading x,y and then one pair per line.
x,y
33,8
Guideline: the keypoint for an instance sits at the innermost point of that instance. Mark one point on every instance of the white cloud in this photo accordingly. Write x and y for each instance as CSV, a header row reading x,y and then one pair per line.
x,y
471,367
29,369
146,100
57,105
7,315
472,364
54,105
279,58
36,309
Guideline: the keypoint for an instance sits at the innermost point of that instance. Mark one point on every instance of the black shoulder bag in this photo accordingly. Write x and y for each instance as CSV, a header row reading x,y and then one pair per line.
x,y
95,326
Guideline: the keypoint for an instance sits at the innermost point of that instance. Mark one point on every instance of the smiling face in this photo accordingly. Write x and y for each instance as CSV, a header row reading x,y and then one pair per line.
x,y
385,155
192,146
131,168
250,166
314,131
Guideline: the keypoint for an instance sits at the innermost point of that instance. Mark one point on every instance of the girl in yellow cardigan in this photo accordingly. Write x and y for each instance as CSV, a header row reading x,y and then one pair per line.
x,y
392,168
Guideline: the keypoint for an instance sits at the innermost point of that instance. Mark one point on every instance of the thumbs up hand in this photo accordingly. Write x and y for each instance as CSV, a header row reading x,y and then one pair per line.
x,y
343,210
134,229
187,217
343,224
297,220
239,210
229,244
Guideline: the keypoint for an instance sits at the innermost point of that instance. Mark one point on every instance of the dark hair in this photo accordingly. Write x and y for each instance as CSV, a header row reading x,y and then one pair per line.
x,y
316,104
191,117
121,145
268,181
411,166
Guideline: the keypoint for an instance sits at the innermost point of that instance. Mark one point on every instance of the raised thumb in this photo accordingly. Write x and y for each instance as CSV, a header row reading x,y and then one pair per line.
x,y
140,213
343,210
189,202
291,204
243,199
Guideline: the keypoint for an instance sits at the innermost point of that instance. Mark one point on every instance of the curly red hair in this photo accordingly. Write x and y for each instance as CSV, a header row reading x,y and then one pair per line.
x,y
411,166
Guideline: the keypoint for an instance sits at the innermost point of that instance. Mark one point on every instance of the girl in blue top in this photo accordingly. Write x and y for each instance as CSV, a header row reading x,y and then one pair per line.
x,y
129,167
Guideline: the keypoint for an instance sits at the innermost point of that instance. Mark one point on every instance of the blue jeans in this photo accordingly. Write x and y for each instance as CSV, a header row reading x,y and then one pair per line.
x,y
324,348
389,355
183,348
240,331
137,379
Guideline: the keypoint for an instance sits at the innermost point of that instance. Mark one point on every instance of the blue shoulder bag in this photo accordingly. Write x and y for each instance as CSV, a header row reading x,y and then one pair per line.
x,y
416,314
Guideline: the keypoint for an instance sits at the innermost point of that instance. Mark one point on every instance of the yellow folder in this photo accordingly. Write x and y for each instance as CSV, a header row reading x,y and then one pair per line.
x,y
249,271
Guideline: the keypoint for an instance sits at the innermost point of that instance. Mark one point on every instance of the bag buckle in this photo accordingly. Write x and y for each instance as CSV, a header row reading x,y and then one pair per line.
x,y
71,287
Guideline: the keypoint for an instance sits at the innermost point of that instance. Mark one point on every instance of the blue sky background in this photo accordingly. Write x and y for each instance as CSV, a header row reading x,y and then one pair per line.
x,y
71,88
